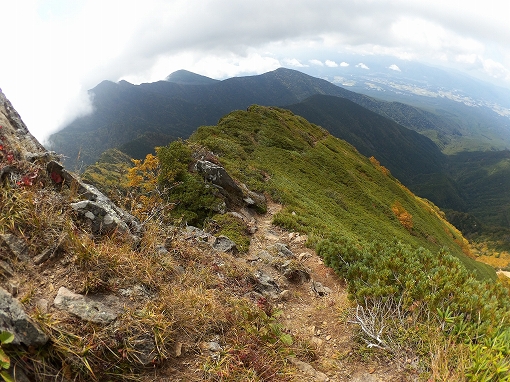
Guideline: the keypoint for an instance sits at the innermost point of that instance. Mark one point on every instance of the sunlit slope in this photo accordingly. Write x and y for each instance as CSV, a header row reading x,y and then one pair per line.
x,y
327,187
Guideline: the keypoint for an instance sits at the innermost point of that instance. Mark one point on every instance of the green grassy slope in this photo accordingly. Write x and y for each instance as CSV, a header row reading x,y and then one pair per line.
x,y
484,178
327,187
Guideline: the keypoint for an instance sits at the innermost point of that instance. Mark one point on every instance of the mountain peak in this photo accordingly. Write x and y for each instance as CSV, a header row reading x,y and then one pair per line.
x,y
185,77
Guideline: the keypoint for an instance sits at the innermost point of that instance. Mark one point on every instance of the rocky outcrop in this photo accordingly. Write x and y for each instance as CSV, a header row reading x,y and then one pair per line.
x,y
102,214
234,193
13,319
218,176
23,147
18,136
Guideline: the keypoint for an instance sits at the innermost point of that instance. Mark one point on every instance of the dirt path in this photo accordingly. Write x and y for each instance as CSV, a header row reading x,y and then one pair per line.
x,y
319,318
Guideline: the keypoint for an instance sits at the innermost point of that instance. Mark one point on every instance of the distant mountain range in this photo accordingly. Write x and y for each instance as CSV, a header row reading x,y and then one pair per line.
x,y
136,118
477,112
148,115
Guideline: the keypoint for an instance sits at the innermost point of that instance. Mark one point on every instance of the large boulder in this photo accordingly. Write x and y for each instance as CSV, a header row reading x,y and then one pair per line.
x,y
218,176
13,319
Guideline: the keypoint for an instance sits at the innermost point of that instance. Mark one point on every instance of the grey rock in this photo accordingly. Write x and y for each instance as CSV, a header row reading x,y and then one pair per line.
x,y
293,271
283,250
319,289
266,285
13,288
214,346
101,217
6,171
218,176
224,244
285,295
198,234
6,269
84,307
136,291
254,199
14,320
109,215
309,370
16,246
161,250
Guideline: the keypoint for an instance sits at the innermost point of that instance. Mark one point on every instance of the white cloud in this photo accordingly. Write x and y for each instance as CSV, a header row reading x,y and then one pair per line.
x,y
394,67
362,66
293,62
331,64
54,50
344,64
316,62
496,69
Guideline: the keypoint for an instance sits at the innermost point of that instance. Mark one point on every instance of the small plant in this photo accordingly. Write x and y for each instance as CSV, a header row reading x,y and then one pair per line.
x,y
5,361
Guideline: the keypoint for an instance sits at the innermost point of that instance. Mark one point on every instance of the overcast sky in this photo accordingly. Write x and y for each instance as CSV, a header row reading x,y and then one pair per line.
x,y
53,51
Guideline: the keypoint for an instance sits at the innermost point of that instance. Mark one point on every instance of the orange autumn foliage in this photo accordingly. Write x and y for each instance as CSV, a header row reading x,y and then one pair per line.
x,y
404,217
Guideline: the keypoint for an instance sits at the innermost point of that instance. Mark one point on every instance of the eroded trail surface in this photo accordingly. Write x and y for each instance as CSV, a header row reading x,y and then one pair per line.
x,y
315,309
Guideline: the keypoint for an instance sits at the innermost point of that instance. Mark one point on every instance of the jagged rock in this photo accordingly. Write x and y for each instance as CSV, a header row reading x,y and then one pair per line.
x,y
98,208
218,176
304,255
309,370
178,349
224,244
14,320
136,291
13,288
102,220
16,132
254,199
84,307
5,171
16,246
283,250
235,193
266,284
161,250
319,289
284,295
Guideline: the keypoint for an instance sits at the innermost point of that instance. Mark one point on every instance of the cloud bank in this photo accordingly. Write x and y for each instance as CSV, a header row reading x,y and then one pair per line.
x,y
58,49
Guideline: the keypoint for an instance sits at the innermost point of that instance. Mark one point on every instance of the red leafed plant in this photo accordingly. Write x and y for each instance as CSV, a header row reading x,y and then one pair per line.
x,y
28,179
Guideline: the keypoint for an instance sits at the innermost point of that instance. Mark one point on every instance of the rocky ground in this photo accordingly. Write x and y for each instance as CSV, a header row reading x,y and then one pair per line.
x,y
314,307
